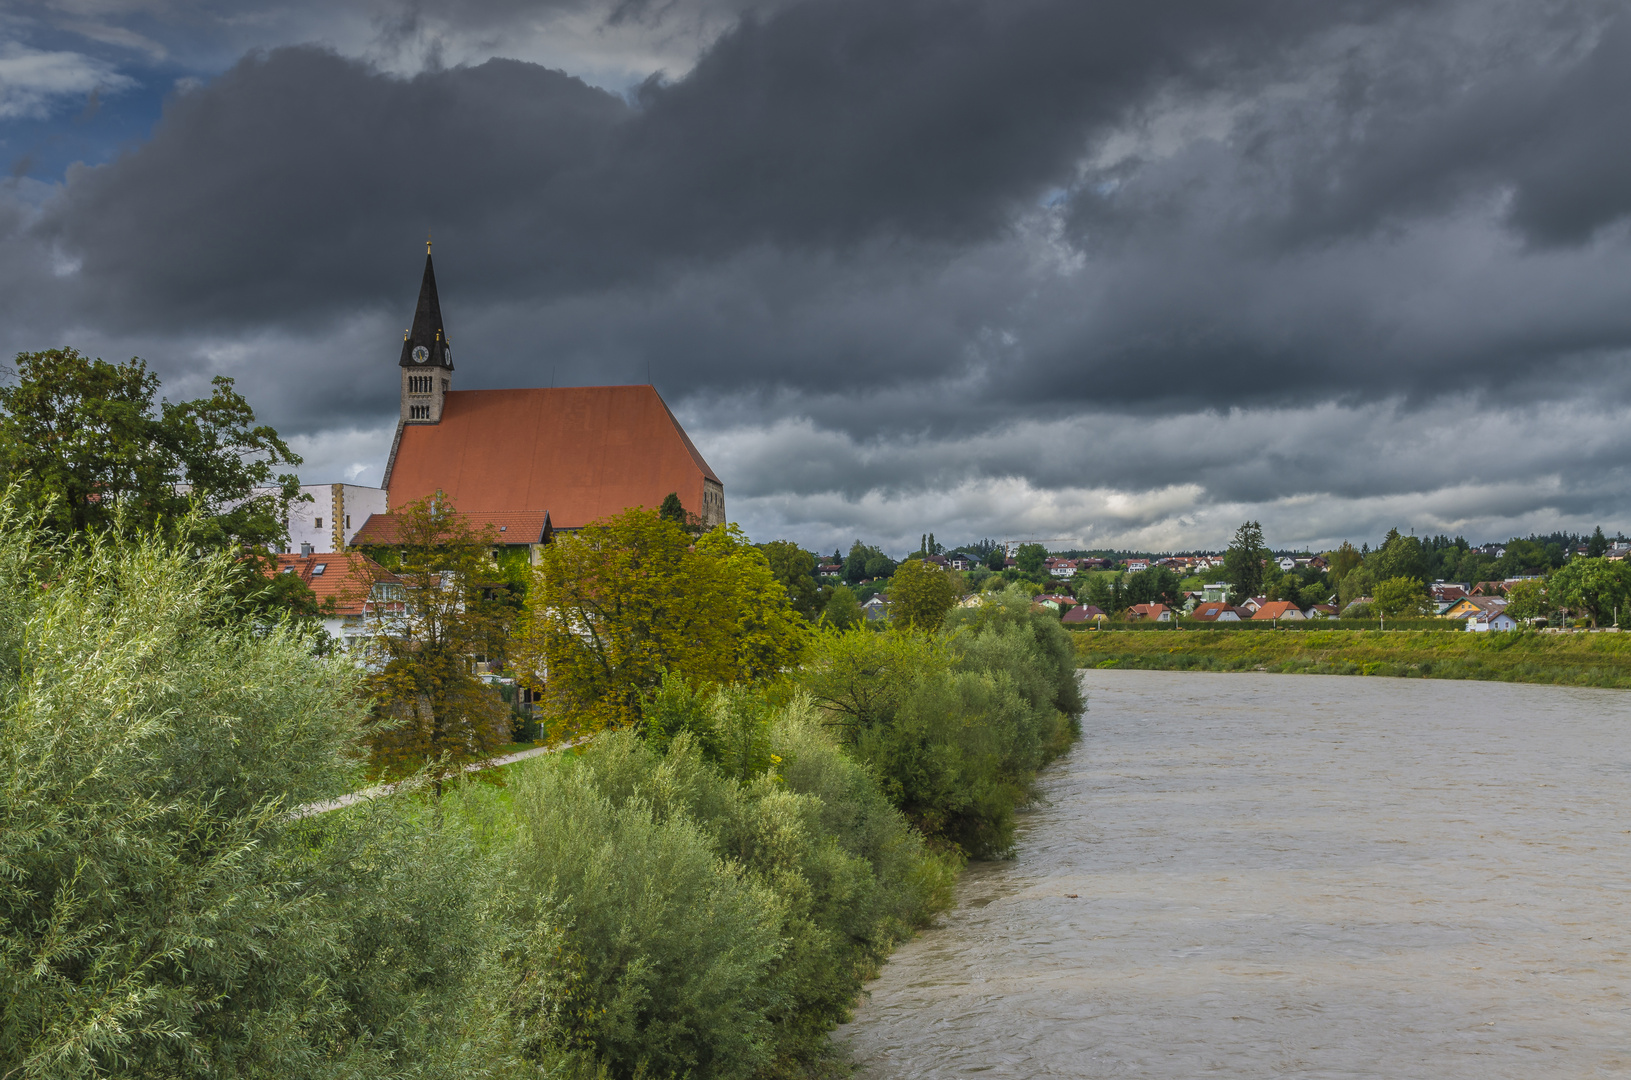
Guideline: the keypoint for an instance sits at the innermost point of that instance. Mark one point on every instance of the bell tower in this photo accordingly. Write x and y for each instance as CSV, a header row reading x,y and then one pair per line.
x,y
427,357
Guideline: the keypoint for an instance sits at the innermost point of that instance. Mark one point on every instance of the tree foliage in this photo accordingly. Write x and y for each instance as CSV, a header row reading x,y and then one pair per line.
x,y
920,595
1030,557
614,605
1402,597
87,444
1243,562
795,569
953,724
1595,588
842,609
443,606
161,913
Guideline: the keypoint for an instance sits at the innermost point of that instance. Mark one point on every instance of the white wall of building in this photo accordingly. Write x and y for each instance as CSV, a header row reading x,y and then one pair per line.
x,y
333,516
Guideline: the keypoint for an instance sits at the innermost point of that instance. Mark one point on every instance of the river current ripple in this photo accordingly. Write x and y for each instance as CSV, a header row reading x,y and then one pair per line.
x,y
1307,876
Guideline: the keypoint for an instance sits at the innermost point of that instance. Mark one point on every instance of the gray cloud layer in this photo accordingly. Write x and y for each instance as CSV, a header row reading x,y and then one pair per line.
x,y
1140,267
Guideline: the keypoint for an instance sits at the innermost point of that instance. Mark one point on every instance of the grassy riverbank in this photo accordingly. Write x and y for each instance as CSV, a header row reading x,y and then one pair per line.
x,y
1561,659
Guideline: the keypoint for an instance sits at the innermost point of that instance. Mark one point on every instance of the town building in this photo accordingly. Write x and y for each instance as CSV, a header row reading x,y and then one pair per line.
x,y
1491,620
1279,610
524,462
1214,611
333,516
364,596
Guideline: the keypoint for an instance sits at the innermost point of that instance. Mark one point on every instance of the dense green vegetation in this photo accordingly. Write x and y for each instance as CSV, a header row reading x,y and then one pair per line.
x,y
700,892
1566,659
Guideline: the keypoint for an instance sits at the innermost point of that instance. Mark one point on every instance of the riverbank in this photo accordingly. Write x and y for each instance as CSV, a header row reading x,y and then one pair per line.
x,y
1579,659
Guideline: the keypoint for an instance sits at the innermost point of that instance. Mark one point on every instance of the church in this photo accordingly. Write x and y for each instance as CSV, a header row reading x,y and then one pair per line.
x,y
526,462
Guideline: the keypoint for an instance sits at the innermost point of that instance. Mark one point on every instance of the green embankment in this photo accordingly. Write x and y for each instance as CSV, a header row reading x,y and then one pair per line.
x,y
1577,659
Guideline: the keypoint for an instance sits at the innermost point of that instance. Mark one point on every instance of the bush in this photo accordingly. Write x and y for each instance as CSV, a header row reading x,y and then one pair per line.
x,y
670,918
160,911
954,725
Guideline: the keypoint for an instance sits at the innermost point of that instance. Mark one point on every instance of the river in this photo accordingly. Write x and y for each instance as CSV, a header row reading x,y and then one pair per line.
x,y
1292,875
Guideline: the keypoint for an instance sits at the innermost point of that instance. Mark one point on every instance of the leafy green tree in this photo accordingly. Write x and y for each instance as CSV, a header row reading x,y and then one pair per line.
x,y
1402,596
920,595
1527,600
1156,585
89,447
1095,588
1596,588
448,608
1243,562
1597,546
856,562
86,443
843,610
1030,557
996,560
1343,561
1398,557
795,568
615,604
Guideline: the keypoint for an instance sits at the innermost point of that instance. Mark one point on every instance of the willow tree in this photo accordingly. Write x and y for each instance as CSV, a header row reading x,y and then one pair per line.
x,y
162,911
613,606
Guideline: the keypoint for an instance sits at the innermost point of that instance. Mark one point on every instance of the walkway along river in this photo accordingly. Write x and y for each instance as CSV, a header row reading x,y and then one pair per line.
x,y
1307,876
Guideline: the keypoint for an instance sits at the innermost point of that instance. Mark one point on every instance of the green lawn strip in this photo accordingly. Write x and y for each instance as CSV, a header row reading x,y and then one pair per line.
x,y
1578,659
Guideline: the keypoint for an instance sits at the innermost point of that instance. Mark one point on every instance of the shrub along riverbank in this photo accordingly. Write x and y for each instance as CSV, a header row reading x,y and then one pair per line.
x,y
699,894
1577,659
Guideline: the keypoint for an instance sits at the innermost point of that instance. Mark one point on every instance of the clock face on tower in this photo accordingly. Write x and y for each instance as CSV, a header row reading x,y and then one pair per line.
x,y
420,354
447,356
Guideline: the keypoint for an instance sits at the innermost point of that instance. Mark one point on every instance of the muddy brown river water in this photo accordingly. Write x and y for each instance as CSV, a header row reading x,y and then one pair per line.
x,y
1300,876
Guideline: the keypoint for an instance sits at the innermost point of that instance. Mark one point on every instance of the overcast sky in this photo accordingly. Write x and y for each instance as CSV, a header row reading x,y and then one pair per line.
x,y
1109,272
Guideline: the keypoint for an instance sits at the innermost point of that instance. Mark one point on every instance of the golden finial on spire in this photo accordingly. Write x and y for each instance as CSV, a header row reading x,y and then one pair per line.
x,y
427,243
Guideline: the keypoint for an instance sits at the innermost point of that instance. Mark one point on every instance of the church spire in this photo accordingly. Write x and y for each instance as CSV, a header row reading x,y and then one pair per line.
x,y
425,345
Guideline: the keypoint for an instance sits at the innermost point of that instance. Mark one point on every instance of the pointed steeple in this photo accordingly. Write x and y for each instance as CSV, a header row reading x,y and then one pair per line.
x,y
427,333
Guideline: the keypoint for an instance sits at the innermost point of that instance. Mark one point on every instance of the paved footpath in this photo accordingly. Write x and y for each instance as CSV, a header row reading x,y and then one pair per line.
x,y
380,791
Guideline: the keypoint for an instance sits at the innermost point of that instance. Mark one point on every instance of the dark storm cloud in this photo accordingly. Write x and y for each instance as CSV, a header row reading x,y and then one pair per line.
x,y
826,124
1151,262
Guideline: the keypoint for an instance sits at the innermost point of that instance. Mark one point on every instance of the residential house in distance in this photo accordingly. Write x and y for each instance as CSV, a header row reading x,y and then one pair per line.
x,y
1321,611
1135,565
1084,613
1279,610
1215,592
875,608
1149,613
1286,563
1492,620
1472,606
1214,611
1053,601
359,588
1254,603
1060,568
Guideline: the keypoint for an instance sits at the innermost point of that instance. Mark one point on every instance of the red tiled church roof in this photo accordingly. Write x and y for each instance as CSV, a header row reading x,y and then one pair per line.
x,y
582,453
